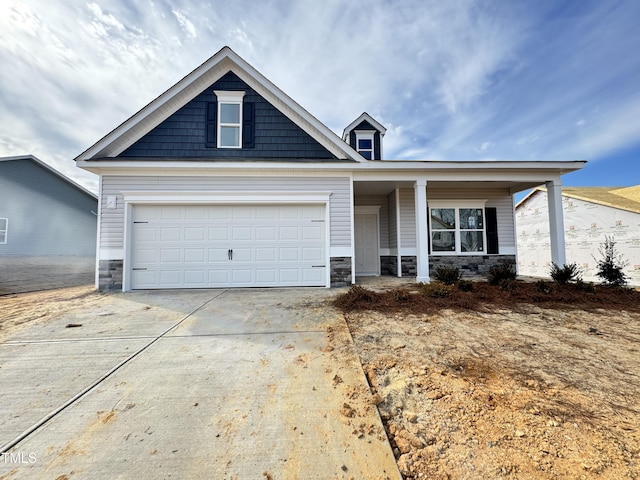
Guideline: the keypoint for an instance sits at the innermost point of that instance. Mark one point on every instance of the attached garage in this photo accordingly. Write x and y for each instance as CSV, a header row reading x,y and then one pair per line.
x,y
207,246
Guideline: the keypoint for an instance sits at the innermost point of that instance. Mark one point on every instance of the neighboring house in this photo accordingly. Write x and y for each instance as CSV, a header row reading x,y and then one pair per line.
x,y
225,181
42,212
590,214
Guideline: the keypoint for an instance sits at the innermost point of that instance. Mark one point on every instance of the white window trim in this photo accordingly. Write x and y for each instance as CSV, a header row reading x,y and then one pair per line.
x,y
5,230
457,205
366,135
226,98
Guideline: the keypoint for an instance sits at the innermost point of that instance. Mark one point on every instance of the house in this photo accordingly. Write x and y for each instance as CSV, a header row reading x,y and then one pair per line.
x,y
225,181
590,214
42,212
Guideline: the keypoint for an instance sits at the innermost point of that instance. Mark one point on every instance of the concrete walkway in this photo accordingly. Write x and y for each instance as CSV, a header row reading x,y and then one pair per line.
x,y
224,384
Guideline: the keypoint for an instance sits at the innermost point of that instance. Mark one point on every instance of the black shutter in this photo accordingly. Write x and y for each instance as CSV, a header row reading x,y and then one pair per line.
x,y
376,147
210,125
248,125
491,215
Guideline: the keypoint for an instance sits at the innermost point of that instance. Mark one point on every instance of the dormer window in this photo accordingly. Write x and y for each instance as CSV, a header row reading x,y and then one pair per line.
x,y
229,128
364,144
364,135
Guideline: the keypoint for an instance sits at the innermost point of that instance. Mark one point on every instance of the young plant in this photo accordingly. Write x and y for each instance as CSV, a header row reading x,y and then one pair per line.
x,y
503,273
565,274
610,267
447,274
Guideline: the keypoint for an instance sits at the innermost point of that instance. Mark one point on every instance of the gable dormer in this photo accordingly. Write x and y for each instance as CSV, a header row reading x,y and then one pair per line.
x,y
364,135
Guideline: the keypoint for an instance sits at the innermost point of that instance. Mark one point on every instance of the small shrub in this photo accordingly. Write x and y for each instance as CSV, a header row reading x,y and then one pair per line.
x,y
544,287
586,287
398,295
508,284
465,286
437,290
565,274
503,272
356,298
447,274
611,264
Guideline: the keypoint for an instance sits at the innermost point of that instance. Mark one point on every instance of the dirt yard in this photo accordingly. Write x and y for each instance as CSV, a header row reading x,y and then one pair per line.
x,y
526,392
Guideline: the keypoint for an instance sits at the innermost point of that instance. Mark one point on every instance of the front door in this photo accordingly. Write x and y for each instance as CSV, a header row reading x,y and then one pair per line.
x,y
366,240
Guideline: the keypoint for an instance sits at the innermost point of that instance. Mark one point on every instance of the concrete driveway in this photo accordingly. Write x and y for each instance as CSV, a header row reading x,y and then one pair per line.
x,y
224,384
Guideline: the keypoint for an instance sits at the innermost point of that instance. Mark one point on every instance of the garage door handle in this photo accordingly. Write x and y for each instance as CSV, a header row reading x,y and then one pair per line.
x,y
230,254
138,269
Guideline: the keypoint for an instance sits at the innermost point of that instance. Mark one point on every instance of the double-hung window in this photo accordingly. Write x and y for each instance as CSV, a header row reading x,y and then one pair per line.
x,y
229,127
4,227
364,144
457,228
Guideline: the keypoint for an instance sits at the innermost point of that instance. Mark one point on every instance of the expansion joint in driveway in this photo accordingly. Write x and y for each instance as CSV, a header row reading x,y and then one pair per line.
x,y
8,446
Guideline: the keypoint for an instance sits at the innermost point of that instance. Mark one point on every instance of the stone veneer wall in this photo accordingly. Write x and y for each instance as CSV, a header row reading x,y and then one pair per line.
x,y
409,266
470,266
388,265
110,275
340,271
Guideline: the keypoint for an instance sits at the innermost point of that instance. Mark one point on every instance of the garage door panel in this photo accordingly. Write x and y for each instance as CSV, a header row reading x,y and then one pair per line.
x,y
219,233
266,254
195,255
227,245
170,234
194,234
146,256
195,278
242,234
170,278
266,276
288,233
219,278
312,254
289,254
172,213
265,233
311,232
147,234
171,255
218,255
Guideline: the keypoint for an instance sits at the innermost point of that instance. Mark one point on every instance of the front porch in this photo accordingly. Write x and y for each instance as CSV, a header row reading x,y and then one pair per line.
x,y
406,228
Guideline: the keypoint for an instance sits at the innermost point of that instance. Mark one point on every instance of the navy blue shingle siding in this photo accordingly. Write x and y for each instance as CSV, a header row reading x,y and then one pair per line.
x,y
182,135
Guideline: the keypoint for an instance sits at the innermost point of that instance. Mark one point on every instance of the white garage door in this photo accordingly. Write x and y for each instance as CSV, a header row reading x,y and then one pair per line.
x,y
201,246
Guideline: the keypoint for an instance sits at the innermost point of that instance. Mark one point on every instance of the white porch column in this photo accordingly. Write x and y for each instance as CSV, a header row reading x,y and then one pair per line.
x,y
422,248
556,222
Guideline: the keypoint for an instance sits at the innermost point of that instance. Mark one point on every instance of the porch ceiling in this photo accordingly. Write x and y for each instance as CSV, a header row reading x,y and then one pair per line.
x,y
374,187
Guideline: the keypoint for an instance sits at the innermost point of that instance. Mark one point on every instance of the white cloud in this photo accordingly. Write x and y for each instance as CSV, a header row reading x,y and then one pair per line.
x,y
185,23
451,80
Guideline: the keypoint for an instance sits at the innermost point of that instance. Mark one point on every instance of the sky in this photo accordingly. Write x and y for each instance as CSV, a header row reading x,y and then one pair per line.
x,y
450,80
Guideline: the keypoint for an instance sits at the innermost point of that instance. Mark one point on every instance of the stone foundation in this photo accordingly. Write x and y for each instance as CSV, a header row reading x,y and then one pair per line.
x,y
389,265
473,266
409,266
110,275
340,271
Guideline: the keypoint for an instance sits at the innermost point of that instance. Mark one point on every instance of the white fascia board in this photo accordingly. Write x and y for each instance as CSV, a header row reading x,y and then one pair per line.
x,y
358,121
360,169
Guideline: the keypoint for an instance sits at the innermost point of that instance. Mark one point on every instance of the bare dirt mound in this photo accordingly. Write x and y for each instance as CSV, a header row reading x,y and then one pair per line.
x,y
527,391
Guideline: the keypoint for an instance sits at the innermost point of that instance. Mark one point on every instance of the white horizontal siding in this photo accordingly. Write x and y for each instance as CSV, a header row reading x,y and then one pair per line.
x,y
112,220
407,218
393,221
